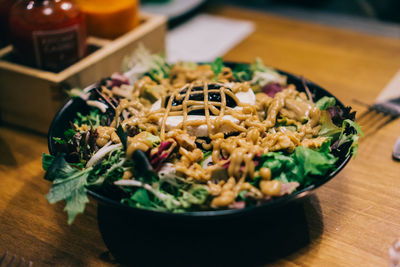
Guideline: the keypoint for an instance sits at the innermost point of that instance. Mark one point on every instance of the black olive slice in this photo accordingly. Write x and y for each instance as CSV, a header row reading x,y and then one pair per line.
x,y
197,94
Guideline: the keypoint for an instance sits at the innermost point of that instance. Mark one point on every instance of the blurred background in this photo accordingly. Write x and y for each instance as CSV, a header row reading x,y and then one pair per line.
x,y
381,17
387,10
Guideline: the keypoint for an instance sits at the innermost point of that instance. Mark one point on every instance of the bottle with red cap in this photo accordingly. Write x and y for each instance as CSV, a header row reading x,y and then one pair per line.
x,y
47,34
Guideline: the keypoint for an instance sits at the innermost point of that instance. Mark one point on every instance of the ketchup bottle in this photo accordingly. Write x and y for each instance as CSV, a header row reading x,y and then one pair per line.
x,y
48,34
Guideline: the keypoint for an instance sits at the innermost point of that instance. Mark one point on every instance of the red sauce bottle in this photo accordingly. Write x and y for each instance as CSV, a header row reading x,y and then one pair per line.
x,y
48,34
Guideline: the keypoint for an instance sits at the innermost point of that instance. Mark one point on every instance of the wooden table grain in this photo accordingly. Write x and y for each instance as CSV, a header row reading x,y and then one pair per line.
x,y
352,220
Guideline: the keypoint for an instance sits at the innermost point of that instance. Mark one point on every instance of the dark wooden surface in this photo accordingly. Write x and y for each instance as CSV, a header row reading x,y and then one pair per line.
x,y
351,221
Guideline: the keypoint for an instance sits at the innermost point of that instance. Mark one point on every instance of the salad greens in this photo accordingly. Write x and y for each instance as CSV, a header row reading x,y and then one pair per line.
x,y
94,118
302,166
142,61
325,102
217,66
81,164
69,184
339,125
242,72
263,75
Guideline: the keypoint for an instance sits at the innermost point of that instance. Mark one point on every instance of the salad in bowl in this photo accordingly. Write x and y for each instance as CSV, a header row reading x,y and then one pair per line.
x,y
190,137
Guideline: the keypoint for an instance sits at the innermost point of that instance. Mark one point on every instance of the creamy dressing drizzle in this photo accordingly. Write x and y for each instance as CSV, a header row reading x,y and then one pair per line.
x,y
255,135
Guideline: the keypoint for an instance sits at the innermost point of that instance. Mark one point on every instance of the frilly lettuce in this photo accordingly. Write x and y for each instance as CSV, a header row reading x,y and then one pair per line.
x,y
339,126
300,166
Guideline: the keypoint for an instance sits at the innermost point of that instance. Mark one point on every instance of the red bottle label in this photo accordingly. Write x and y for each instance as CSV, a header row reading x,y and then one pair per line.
x,y
57,49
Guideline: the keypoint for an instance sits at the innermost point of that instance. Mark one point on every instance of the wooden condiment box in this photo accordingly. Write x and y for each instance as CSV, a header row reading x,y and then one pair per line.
x,y
30,97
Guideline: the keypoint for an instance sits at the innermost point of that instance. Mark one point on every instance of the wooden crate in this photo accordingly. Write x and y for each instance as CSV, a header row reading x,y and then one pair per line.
x,y
30,97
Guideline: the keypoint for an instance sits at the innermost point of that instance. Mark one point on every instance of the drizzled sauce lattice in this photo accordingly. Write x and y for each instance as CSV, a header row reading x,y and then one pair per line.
x,y
208,99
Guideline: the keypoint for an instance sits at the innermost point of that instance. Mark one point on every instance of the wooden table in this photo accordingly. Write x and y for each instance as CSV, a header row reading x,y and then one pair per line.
x,y
355,216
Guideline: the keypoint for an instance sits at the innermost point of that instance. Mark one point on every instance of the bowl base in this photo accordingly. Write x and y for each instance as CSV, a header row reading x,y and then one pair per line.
x,y
246,240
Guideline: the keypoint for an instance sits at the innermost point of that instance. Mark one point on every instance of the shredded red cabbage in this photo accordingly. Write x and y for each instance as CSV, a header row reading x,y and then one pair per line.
x,y
272,88
158,158
118,79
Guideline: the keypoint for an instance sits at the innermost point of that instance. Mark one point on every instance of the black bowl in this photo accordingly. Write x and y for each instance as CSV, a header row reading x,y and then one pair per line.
x,y
150,237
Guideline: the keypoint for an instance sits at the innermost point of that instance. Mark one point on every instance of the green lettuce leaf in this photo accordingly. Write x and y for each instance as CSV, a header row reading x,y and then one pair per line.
x,y
352,137
314,162
196,195
69,184
76,202
354,125
58,140
242,72
217,66
143,61
141,197
283,167
94,119
205,156
47,160
302,166
328,128
153,139
68,134
349,131
263,75
175,197
325,102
